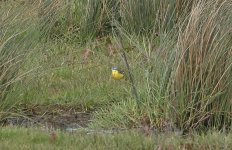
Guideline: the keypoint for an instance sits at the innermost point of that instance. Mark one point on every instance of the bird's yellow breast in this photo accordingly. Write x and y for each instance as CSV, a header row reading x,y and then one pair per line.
x,y
117,75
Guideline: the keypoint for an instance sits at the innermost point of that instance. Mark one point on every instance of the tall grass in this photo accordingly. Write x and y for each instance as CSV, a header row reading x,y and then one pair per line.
x,y
98,18
202,80
194,88
144,17
20,33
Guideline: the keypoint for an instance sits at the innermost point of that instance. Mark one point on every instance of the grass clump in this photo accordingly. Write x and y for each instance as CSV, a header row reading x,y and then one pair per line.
x,y
17,40
202,80
83,21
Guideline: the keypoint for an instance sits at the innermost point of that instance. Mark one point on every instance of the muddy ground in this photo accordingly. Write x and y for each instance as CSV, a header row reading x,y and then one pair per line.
x,y
49,116
66,118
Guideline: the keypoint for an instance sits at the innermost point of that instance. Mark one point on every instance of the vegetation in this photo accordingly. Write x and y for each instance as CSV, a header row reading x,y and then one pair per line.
x,y
26,138
179,53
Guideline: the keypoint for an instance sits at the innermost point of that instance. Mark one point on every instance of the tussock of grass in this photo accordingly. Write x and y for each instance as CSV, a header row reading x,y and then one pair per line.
x,y
121,115
203,75
17,38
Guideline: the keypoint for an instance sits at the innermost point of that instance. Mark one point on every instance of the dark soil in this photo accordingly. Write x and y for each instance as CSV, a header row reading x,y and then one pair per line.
x,y
49,116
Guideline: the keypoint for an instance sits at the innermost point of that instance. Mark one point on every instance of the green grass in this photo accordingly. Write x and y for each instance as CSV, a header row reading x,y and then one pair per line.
x,y
39,139
61,77
27,138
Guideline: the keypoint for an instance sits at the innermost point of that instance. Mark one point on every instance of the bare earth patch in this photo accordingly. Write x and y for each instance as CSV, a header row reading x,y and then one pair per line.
x,y
50,116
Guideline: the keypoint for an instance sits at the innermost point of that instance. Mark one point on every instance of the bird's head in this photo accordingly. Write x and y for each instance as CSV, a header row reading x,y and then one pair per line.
x,y
114,68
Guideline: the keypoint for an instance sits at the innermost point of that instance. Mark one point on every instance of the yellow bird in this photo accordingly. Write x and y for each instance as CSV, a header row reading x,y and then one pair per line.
x,y
117,74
